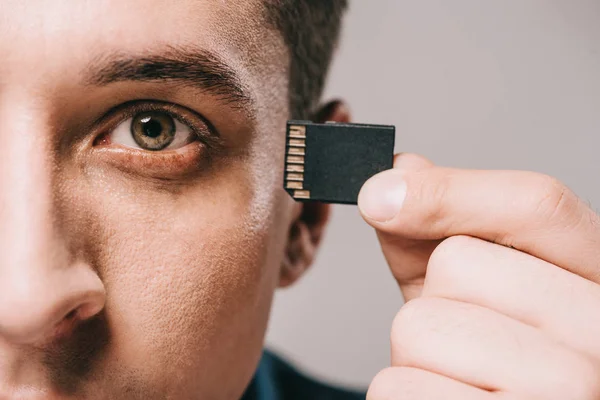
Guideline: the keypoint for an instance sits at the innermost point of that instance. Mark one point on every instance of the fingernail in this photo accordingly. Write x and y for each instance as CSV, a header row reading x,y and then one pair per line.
x,y
382,197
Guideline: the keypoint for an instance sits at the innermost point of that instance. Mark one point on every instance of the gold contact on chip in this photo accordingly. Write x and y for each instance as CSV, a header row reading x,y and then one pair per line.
x,y
295,168
296,151
302,194
295,160
297,131
295,185
330,162
297,143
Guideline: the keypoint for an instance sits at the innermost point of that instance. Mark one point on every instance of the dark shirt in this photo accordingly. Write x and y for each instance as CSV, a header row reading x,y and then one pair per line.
x,y
277,380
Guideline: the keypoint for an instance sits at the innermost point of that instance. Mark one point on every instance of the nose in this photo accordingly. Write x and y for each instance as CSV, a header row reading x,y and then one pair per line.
x,y
40,307
46,286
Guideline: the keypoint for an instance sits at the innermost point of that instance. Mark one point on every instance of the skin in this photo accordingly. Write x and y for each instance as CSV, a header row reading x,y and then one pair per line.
x,y
127,273
130,274
501,272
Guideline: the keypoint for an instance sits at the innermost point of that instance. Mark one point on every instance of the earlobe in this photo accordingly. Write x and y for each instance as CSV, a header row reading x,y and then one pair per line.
x,y
304,238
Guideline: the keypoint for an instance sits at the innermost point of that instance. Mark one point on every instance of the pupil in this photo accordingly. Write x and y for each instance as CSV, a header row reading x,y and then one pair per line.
x,y
152,128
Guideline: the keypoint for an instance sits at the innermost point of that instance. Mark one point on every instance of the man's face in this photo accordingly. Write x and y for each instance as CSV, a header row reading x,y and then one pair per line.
x,y
142,225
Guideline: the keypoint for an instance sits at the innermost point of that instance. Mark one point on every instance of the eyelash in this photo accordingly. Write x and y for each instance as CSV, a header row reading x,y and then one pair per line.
x,y
123,112
166,164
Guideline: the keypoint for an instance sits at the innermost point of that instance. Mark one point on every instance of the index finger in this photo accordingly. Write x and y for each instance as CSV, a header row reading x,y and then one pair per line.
x,y
528,211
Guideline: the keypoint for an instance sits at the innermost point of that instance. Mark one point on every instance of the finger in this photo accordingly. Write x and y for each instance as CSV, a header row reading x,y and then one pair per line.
x,y
410,254
488,350
407,259
519,286
415,384
411,162
528,211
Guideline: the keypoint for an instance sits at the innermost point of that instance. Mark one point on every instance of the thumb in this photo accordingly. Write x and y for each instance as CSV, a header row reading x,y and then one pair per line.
x,y
370,202
406,257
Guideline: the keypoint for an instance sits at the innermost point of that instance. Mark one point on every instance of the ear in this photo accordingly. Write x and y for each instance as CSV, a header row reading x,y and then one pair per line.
x,y
336,111
309,219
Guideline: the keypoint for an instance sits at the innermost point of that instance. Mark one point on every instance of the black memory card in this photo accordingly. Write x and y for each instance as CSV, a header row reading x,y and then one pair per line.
x,y
330,162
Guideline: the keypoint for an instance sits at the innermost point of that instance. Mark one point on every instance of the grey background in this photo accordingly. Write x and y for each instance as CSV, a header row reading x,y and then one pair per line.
x,y
491,84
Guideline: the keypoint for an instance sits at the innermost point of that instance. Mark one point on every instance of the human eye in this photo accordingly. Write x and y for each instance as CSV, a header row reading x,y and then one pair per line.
x,y
154,126
152,131
155,138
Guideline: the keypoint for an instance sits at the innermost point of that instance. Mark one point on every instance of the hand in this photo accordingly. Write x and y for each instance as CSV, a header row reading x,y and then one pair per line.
x,y
512,309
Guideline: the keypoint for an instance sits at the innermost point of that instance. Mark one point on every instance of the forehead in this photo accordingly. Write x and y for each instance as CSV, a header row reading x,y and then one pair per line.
x,y
111,18
61,33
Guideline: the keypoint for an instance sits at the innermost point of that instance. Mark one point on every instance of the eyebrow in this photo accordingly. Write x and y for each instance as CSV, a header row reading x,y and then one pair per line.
x,y
196,67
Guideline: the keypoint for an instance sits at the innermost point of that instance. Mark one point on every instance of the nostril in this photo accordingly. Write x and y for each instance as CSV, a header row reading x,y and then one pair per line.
x,y
48,306
67,325
70,322
90,308
71,315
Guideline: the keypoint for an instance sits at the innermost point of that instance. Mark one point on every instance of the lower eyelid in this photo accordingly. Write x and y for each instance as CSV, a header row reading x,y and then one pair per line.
x,y
165,164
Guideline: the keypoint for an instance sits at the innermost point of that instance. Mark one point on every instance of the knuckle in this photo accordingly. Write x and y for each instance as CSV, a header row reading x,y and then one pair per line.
x,y
409,328
430,188
576,378
408,315
398,382
550,197
448,250
439,192
447,257
447,264
383,386
585,383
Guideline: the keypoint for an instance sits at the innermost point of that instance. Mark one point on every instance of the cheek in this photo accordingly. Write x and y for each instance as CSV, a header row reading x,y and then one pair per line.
x,y
189,274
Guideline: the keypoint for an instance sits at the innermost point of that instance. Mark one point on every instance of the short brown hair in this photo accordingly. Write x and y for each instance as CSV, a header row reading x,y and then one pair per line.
x,y
310,29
